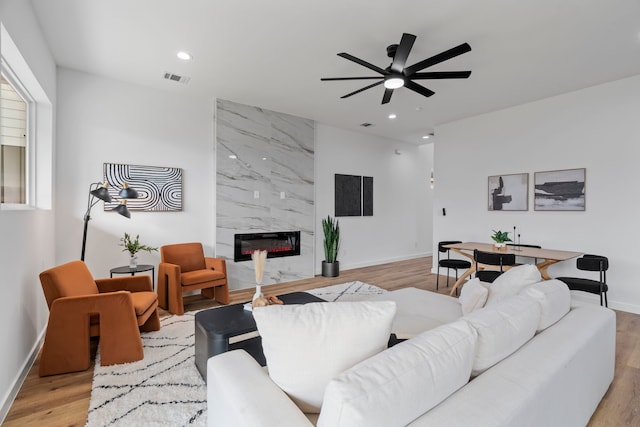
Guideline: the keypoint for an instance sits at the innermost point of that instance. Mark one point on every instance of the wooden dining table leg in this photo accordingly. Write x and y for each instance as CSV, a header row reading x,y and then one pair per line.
x,y
466,274
543,266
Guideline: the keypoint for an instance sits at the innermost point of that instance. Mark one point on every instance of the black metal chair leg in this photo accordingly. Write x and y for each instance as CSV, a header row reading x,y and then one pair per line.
x,y
448,277
437,278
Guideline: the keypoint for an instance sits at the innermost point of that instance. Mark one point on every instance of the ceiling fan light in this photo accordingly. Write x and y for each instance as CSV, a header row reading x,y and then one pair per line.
x,y
394,82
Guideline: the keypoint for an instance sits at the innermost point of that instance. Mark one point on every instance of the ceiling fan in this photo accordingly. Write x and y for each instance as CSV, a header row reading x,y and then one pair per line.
x,y
397,75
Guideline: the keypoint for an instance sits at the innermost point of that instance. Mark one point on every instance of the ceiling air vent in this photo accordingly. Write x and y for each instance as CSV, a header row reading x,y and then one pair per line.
x,y
177,78
366,125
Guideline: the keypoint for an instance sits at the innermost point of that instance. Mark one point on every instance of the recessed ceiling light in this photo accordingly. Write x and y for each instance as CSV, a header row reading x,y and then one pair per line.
x,y
264,158
392,116
426,136
185,56
233,156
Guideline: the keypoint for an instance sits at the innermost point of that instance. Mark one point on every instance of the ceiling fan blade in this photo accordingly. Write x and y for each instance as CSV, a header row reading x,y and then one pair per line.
x,y
436,59
387,95
441,75
363,63
418,88
360,90
328,79
402,52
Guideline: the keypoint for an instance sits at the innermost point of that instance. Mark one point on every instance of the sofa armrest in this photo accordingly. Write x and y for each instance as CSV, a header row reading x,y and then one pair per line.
x,y
218,264
240,393
126,283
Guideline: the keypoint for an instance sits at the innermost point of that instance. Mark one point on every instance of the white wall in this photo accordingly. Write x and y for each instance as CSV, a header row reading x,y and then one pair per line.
x,y
26,236
595,128
400,227
105,121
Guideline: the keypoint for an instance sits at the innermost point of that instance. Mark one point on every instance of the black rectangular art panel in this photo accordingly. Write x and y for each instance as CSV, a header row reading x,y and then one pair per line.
x,y
367,196
348,195
353,195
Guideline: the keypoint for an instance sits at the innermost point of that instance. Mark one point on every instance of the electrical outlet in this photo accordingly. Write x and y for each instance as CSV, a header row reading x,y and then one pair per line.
x,y
282,195
256,194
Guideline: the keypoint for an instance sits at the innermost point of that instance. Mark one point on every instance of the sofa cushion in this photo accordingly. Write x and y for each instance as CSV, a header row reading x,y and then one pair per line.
x,y
419,310
502,329
473,296
308,345
511,282
398,385
554,298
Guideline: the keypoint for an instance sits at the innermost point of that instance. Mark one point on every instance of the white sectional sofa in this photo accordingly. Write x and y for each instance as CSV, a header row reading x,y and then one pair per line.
x,y
529,359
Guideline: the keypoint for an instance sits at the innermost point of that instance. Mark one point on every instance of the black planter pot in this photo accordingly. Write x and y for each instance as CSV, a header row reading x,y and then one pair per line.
x,y
330,269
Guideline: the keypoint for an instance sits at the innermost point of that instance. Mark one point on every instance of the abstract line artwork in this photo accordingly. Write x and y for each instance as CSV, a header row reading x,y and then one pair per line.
x,y
159,188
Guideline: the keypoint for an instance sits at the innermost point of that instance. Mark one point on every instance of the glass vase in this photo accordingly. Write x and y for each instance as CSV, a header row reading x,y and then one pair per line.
x,y
133,261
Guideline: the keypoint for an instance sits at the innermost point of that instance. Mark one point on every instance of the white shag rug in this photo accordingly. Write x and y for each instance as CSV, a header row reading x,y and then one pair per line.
x,y
165,388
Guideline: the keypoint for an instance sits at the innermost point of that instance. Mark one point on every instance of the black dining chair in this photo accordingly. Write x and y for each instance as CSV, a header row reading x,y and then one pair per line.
x,y
492,258
448,262
590,263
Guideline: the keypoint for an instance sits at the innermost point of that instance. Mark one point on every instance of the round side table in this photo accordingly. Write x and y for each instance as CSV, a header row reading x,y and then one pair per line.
x,y
125,269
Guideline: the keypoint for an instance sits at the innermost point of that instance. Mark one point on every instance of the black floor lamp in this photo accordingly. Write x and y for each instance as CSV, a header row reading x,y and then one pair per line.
x,y
100,191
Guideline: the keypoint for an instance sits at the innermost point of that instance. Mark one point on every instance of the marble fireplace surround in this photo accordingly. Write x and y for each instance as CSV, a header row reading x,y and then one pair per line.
x,y
264,183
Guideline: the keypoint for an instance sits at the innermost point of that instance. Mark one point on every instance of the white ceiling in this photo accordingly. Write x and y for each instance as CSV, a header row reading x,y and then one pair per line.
x,y
272,54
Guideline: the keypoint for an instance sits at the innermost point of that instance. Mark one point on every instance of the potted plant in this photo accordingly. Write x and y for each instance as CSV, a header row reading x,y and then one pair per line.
x,y
500,238
331,265
133,247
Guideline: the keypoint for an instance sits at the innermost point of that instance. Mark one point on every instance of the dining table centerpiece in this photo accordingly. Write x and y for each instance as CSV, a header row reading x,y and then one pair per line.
x,y
500,238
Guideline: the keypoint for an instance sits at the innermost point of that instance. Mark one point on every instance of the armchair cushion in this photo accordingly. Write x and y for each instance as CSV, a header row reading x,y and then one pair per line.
x,y
189,256
125,283
142,301
200,276
67,280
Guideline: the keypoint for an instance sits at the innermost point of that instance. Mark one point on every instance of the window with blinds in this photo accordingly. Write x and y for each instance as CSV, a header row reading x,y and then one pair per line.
x,y
13,145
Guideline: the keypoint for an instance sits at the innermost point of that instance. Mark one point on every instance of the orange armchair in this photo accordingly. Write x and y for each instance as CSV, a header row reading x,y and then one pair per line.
x,y
183,267
81,307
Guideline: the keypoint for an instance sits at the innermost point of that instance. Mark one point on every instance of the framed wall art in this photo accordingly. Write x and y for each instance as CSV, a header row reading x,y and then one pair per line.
x,y
353,195
561,190
159,188
509,192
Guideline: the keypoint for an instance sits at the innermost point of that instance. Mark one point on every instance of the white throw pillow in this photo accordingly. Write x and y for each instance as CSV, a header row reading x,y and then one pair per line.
x,y
554,298
511,282
308,345
398,385
503,329
473,296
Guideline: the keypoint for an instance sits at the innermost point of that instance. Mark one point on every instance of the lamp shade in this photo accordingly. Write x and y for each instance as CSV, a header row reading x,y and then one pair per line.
x,y
102,192
122,209
128,192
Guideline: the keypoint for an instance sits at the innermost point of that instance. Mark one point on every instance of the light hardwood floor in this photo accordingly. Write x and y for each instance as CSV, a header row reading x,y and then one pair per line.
x,y
63,400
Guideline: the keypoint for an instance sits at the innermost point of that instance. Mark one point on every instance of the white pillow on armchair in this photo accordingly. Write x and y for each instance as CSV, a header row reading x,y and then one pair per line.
x,y
308,345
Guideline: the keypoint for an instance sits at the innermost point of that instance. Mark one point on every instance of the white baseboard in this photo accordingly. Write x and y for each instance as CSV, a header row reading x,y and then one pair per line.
x,y
10,396
352,266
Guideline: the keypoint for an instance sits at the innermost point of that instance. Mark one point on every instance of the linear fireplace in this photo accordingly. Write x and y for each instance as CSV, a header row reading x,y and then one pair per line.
x,y
277,244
